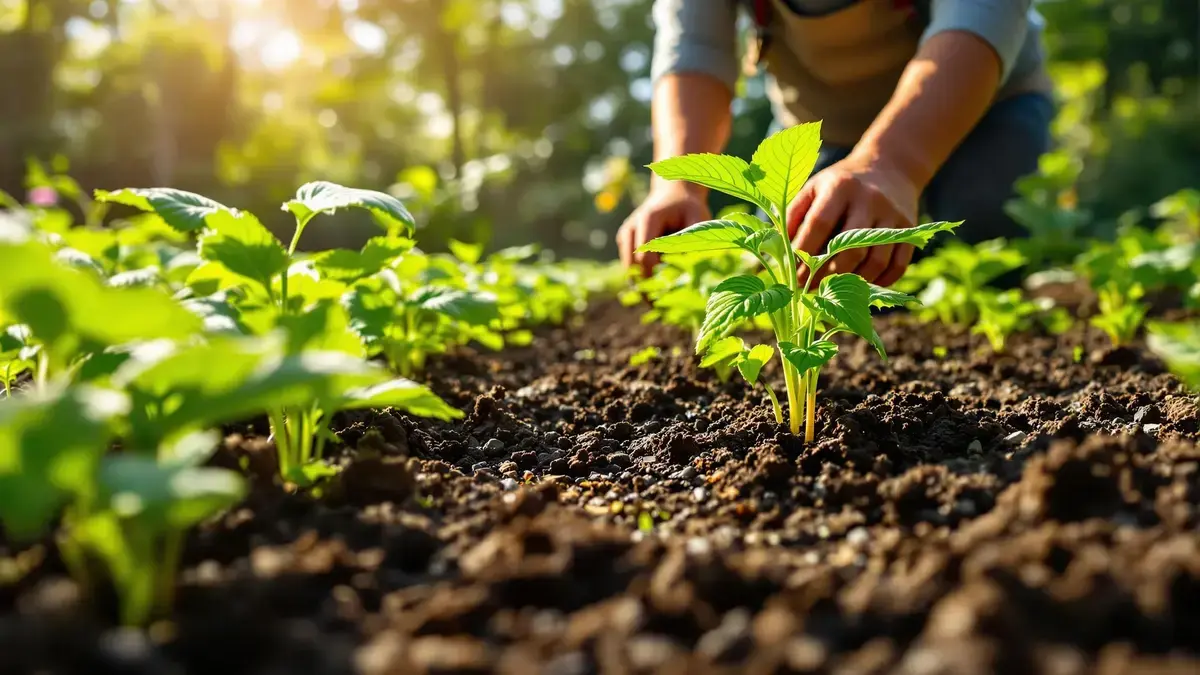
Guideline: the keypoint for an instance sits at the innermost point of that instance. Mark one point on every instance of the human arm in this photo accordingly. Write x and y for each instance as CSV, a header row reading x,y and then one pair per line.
x,y
941,96
694,71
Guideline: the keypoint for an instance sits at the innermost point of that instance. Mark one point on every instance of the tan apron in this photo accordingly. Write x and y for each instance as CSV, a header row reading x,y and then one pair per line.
x,y
842,68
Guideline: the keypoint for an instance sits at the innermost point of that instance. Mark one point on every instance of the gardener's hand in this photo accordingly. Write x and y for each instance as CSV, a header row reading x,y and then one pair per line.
x,y
857,192
670,207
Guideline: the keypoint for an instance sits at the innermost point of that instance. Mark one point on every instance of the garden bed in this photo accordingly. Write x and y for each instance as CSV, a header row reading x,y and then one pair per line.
x,y
959,512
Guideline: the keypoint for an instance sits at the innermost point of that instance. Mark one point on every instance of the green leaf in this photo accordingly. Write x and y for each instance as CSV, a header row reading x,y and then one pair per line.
x,y
918,236
50,444
724,349
846,298
177,389
787,157
401,394
752,362
472,307
468,253
731,175
65,308
325,197
371,312
348,266
887,297
79,260
145,277
1178,345
710,235
806,358
241,244
736,299
217,313
184,211
168,496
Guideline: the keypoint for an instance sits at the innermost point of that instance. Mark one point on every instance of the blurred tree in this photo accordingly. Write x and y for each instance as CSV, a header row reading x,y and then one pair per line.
x,y
507,121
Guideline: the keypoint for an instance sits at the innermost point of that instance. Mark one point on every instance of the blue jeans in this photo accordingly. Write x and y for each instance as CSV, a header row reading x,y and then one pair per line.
x,y
978,178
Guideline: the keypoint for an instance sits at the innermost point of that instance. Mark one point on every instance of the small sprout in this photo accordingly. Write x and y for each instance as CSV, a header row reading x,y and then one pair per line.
x,y
1120,313
645,356
645,522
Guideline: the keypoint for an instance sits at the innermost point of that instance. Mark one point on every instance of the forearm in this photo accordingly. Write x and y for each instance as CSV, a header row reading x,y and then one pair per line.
x,y
943,93
690,114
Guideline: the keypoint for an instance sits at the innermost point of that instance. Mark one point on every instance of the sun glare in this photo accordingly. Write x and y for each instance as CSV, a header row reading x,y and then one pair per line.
x,y
263,37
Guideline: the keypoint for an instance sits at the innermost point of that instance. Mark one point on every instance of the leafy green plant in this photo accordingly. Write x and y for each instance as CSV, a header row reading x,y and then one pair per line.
x,y
644,356
1001,314
1046,208
803,318
1120,312
248,282
952,283
1178,345
125,515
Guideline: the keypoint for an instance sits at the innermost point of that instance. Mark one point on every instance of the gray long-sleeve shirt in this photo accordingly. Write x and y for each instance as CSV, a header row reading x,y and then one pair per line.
x,y
701,36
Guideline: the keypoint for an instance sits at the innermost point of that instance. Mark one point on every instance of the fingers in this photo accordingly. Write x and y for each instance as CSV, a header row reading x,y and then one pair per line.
x,y
798,209
648,228
625,243
877,260
898,265
860,217
825,213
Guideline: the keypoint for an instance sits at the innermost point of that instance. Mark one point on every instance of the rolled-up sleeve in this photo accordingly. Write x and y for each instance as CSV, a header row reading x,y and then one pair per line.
x,y
1003,24
695,36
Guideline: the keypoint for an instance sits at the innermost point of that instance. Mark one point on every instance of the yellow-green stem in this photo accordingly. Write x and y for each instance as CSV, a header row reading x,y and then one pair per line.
x,y
795,396
811,408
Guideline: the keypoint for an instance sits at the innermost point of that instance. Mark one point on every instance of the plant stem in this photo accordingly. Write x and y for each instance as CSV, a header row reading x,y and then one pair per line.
x,y
172,552
811,409
774,403
795,397
283,445
43,371
283,281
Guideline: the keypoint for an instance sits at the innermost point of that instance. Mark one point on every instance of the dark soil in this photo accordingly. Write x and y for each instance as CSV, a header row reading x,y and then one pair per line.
x,y
960,512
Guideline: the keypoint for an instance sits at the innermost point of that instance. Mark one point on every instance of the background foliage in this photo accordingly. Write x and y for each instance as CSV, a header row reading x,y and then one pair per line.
x,y
504,121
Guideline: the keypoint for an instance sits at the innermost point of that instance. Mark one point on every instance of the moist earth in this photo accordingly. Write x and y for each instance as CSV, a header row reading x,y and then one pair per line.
x,y
959,512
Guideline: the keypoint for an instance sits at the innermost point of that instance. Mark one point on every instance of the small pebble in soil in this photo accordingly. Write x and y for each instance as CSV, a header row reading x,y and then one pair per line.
x,y
126,645
620,459
858,536
493,445
558,466
699,494
1015,437
686,473
1151,428
1147,414
508,468
975,446
508,484
479,466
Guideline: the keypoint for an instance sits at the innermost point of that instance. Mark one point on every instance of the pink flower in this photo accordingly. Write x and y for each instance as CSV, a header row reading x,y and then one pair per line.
x,y
43,196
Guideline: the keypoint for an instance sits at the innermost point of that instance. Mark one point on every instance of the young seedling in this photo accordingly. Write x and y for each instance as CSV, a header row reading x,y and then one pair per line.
x,y
1120,312
1007,312
802,318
